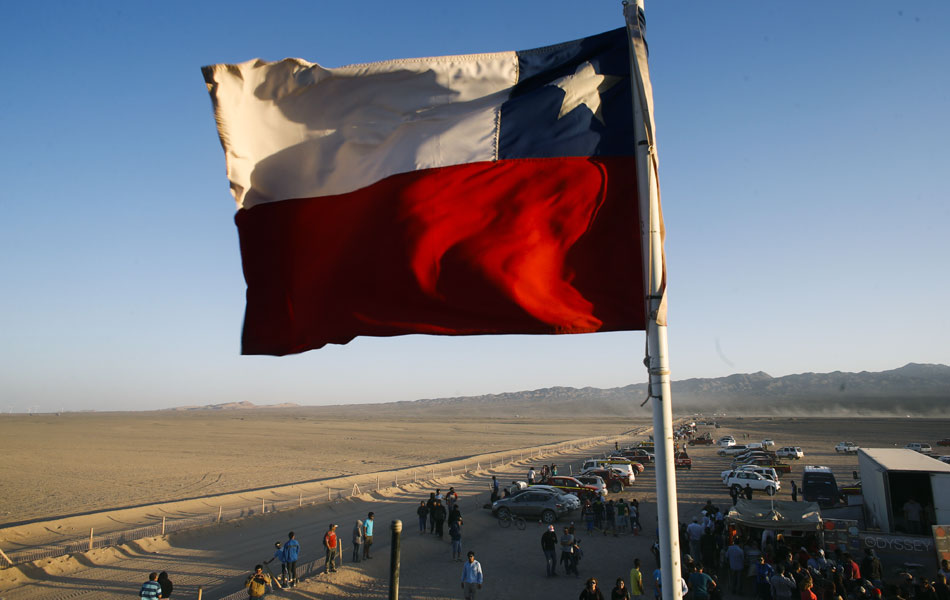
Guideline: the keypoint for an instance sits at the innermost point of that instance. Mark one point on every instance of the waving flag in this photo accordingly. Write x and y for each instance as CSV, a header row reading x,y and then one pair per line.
x,y
454,195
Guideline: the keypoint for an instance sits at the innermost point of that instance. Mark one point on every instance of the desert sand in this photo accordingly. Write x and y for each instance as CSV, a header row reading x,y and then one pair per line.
x,y
238,451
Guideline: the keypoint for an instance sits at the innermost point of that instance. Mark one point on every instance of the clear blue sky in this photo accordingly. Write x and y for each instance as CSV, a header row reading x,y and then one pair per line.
x,y
803,169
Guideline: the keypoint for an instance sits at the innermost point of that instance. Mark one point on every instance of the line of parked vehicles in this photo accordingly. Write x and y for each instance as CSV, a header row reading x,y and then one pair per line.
x,y
558,495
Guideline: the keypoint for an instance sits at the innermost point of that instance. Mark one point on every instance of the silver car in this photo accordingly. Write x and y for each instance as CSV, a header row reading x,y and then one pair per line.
x,y
531,504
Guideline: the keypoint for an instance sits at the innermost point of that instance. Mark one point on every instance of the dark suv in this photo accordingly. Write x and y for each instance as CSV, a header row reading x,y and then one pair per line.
x,y
532,504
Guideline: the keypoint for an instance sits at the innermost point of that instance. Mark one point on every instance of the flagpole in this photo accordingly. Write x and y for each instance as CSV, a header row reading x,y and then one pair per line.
x,y
654,276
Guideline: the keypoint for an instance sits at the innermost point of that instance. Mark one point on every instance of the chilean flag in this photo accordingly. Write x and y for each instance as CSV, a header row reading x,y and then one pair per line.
x,y
454,195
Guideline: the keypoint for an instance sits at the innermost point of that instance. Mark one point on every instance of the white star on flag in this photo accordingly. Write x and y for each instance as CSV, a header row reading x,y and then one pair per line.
x,y
584,87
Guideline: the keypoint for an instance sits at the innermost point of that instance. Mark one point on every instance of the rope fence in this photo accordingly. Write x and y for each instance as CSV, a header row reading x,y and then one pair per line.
x,y
361,484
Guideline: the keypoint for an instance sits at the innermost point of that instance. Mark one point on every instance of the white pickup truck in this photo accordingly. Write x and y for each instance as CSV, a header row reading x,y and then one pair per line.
x,y
846,448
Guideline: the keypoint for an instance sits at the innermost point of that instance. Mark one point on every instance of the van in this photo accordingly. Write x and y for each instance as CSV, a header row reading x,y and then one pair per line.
x,y
754,446
919,447
819,485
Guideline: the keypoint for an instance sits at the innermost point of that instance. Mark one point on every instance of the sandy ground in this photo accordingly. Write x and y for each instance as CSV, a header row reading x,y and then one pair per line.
x,y
217,558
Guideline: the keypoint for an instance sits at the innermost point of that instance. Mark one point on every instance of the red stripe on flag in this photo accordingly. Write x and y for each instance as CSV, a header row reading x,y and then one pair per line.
x,y
517,246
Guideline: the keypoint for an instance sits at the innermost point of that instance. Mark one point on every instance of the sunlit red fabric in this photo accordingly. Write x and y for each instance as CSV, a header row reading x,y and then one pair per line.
x,y
516,246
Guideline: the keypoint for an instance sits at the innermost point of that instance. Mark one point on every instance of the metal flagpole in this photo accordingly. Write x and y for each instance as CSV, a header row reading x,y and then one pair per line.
x,y
654,275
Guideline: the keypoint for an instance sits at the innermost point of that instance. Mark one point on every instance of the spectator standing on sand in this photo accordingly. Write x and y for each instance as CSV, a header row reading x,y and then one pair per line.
x,y
636,580
794,491
591,591
610,518
291,553
152,588
368,525
701,584
620,591
781,585
166,584
734,494
430,504
549,543
763,579
455,534
531,476
736,559
694,531
330,545
748,492
450,499
567,552
279,555
257,582
553,470
472,576
357,540
438,513
494,489
423,513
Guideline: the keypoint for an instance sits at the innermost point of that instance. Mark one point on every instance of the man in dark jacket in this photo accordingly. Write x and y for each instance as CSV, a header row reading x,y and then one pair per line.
x,y
549,544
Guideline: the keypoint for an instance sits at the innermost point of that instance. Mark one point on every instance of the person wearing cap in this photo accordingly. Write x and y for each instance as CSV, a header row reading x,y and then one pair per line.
x,y
549,548
472,576
331,545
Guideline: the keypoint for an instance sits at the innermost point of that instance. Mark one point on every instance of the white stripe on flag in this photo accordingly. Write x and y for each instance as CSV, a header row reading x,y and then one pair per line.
x,y
348,127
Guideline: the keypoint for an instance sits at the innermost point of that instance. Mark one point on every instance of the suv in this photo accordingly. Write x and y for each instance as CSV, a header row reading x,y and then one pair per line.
x,y
732,450
593,480
819,485
726,441
919,447
615,480
607,463
846,448
767,471
531,503
639,454
740,479
570,501
790,452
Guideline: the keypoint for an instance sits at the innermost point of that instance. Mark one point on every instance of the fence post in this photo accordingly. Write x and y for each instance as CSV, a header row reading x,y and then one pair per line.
x,y
199,592
163,525
377,483
328,493
394,550
451,472
300,499
6,558
219,514
90,538
262,505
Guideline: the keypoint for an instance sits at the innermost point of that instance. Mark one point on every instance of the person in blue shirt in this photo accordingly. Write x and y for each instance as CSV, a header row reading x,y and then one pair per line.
x,y
368,535
151,589
291,552
472,577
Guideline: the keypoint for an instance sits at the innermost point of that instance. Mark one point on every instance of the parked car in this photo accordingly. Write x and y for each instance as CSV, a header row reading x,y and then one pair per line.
x,y
766,471
606,463
732,450
570,485
795,452
726,441
639,454
703,440
846,448
532,504
919,447
623,460
944,459
749,454
944,442
754,446
754,480
681,460
594,480
767,443
571,501
613,479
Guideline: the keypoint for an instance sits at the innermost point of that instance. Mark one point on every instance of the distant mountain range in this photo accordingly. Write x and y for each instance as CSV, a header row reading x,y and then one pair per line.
x,y
914,389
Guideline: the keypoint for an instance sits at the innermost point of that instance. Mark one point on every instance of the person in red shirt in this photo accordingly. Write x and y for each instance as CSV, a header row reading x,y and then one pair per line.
x,y
331,545
807,593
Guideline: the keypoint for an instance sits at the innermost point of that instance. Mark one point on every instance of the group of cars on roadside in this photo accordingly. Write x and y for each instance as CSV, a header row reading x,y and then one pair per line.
x,y
558,495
